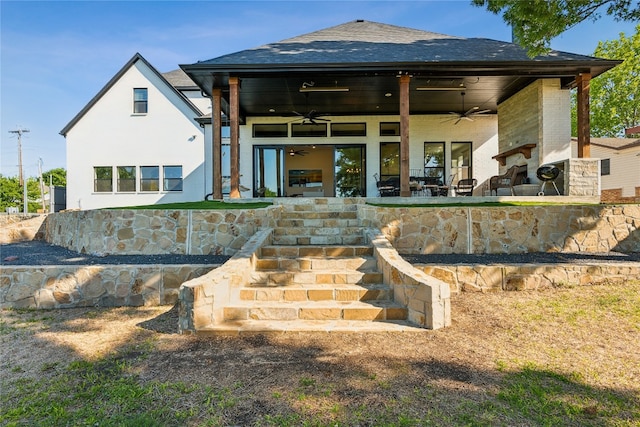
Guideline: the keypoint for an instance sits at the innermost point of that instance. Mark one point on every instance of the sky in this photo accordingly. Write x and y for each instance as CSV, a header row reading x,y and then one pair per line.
x,y
56,55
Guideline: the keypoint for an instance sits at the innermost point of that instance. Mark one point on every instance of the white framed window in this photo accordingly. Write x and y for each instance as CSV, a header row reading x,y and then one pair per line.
x,y
140,101
103,179
126,179
149,178
172,178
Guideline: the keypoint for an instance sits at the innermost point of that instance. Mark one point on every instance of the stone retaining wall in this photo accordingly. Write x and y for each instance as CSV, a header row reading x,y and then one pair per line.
x,y
412,230
133,232
48,287
492,278
507,229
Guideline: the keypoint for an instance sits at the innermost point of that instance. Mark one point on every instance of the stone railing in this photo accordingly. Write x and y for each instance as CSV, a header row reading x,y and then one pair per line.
x,y
427,298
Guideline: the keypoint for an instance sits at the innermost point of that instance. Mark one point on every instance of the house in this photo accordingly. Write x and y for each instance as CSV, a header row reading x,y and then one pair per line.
x,y
140,140
330,113
324,113
619,167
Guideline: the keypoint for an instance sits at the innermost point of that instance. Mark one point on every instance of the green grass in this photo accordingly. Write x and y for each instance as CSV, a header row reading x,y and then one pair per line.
x,y
202,205
475,205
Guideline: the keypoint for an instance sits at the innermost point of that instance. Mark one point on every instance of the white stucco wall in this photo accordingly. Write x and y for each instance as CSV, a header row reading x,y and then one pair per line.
x,y
109,134
482,132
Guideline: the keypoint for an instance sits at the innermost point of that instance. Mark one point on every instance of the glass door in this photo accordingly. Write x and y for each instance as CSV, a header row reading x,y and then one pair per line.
x,y
268,177
350,174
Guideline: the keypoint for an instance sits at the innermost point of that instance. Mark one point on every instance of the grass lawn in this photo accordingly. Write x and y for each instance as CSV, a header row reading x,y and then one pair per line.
x,y
203,205
559,357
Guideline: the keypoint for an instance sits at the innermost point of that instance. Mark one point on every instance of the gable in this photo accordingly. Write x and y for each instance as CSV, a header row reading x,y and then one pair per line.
x,y
153,77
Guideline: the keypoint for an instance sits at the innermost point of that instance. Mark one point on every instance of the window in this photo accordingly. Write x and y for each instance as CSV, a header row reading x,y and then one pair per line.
x,y
389,129
126,178
279,130
103,179
605,167
140,101
172,178
434,160
149,178
461,160
309,129
348,129
389,160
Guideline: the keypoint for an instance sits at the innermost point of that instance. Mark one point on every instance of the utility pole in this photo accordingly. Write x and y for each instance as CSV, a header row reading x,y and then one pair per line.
x,y
19,132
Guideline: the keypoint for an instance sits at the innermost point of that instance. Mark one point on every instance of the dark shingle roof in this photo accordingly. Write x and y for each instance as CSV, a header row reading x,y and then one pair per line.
x,y
371,42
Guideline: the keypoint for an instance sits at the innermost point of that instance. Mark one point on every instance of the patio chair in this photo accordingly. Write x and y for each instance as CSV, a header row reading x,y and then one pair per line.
x,y
465,187
431,184
513,176
389,187
443,190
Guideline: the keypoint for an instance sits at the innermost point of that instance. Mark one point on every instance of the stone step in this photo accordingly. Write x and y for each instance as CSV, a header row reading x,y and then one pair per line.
x,y
315,310
304,293
359,263
304,240
331,209
317,223
316,277
317,231
293,215
315,251
249,327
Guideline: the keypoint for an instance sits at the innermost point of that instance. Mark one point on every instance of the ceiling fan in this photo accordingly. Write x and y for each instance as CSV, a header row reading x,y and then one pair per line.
x,y
467,115
293,152
311,117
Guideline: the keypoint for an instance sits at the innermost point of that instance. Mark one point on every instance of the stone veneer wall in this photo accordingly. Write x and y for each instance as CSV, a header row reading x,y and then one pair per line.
x,y
507,229
491,278
132,232
582,177
48,287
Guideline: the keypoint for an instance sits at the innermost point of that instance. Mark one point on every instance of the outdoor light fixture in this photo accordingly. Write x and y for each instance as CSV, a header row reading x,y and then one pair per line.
x,y
441,88
324,89
311,87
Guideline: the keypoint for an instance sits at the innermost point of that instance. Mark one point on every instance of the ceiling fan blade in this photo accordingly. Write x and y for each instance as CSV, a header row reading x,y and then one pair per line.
x,y
455,114
458,121
467,118
479,112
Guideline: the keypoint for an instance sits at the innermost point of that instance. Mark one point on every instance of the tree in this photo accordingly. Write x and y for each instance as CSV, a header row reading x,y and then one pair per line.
x,y
536,22
58,177
615,95
11,194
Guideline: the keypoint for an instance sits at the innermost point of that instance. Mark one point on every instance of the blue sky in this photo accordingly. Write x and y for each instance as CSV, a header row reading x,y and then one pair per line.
x,y
56,55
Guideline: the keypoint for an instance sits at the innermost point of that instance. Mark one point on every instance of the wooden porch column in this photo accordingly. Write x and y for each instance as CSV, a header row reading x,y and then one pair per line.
x,y
404,136
234,109
216,122
584,128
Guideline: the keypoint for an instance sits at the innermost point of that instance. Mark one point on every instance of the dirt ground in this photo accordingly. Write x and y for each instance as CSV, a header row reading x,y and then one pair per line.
x,y
584,333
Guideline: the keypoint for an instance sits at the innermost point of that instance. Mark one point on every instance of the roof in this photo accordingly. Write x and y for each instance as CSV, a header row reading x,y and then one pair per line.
x,y
179,79
362,41
137,57
364,60
632,130
614,143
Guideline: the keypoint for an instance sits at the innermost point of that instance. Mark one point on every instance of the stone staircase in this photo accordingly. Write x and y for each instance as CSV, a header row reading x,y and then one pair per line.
x,y
317,274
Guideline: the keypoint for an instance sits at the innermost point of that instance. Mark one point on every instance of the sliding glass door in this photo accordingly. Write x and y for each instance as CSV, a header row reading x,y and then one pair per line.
x,y
268,177
350,175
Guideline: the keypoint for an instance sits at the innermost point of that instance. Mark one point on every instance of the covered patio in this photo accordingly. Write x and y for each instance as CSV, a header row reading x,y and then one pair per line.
x,y
388,103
